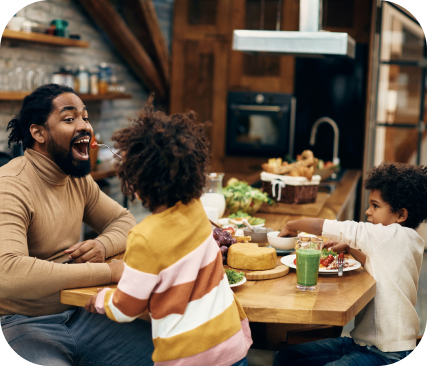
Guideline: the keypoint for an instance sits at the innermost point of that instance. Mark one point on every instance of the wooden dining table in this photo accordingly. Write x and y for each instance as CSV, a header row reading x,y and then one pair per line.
x,y
278,304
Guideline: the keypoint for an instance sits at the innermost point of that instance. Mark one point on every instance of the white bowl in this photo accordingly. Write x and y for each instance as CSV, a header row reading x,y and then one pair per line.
x,y
224,221
15,23
280,243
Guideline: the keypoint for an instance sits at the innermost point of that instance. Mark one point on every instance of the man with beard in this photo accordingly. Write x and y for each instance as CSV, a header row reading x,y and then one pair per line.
x,y
44,197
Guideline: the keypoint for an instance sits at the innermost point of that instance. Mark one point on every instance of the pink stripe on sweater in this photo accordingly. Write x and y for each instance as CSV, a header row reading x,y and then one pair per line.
x,y
99,303
137,284
187,268
224,354
140,284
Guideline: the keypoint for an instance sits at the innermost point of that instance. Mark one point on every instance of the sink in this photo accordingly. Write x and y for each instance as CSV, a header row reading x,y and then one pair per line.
x,y
328,188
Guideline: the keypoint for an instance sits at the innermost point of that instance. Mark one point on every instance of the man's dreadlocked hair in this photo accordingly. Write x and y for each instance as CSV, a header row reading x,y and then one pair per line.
x,y
164,157
36,109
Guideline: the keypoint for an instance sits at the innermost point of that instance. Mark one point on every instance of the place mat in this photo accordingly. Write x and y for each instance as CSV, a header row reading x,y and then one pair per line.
x,y
305,209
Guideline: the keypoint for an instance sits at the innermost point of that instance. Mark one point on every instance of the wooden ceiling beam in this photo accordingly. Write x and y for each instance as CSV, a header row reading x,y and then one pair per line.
x,y
142,20
104,14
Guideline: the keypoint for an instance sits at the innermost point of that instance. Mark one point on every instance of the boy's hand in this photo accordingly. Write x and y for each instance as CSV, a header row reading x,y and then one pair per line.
x,y
336,246
90,304
286,232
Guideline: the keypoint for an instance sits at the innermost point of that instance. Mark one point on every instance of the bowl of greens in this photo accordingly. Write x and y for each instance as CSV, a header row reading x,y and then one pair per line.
x,y
240,196
235,278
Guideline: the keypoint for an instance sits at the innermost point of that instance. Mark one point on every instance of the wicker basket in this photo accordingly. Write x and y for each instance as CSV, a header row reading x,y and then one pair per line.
x,y
287,189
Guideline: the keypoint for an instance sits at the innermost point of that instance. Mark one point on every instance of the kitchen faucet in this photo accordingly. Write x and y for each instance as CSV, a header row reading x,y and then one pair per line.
x,y
335,159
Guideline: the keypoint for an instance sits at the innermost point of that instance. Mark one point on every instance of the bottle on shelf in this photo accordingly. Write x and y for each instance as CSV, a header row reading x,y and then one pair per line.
x,y
83,76
103,79
94,81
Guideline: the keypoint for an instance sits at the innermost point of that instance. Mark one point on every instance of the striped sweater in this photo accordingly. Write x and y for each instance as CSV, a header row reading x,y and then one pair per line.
x,y
173,268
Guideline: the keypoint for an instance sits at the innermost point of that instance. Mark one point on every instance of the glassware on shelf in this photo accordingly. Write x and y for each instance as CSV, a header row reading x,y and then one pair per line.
x,y
212,196
17,79
29,79
39,77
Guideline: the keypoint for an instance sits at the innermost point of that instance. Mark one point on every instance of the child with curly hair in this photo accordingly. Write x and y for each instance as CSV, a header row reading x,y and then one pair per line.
x,y
387,328
173,266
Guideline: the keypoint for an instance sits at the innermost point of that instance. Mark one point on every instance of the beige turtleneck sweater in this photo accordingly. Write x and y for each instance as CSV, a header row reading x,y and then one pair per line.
x,y
41,212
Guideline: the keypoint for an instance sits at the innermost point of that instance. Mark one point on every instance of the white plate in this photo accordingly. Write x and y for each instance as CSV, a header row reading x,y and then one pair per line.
x,y
239,222
289,261
239,283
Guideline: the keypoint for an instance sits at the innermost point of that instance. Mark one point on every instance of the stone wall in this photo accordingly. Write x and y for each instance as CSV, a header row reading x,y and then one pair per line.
x,y
105,116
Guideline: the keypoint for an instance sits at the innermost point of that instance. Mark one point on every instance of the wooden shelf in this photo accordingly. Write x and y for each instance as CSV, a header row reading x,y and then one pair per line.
x,y
44,38
11,95
89,97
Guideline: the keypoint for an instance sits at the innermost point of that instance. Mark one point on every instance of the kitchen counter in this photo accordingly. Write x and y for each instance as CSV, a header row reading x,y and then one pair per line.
x,y
339,205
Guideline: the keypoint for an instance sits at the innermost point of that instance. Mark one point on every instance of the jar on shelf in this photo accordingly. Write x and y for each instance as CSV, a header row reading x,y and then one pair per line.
x,y
94,81
68,75
103,79
83,77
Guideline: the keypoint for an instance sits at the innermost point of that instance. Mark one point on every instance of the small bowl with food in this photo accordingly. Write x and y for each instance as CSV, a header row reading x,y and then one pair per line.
x,y
283,243
258,234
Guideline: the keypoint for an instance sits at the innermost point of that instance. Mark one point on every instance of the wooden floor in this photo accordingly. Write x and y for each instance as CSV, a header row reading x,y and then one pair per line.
x,y
265,358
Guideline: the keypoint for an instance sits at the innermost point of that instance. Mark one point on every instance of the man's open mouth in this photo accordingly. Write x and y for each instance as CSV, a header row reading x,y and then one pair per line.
x,y
81,148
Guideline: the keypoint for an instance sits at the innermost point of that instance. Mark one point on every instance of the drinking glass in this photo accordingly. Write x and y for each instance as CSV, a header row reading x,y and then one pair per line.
x,y
29,79
39,77
18,79
308,252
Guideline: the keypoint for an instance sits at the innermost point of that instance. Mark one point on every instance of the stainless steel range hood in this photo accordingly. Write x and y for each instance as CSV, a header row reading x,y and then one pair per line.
x,y
310,41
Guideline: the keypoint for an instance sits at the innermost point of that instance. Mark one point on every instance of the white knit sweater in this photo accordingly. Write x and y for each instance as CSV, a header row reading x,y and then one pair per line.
x,y
393,258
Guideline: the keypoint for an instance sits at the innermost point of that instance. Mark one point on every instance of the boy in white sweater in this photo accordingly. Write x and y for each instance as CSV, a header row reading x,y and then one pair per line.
x,y
386,329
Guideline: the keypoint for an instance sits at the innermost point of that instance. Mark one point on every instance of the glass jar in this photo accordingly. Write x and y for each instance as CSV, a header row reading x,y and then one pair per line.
x,y
213,196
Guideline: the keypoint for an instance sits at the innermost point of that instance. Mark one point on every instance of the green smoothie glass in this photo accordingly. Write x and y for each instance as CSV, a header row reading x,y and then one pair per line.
x,y
308,260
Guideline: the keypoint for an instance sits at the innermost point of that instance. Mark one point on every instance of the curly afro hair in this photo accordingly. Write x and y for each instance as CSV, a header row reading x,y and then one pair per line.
x,y
164,157
401,186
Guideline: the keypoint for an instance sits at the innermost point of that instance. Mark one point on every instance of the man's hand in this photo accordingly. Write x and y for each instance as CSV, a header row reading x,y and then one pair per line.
x,y
336,246
286,232
92,251
90,304
116,268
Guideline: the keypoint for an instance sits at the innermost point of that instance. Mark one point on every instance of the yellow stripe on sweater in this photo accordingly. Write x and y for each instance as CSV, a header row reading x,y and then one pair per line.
x,y
208,335
165,244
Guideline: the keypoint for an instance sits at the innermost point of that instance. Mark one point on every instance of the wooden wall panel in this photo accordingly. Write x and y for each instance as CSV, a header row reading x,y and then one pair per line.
x,y
198,84
183,29
349,16
272,73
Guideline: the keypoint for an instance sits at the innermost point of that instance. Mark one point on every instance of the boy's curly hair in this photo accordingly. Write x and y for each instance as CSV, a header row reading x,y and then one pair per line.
x,y
164,157
401,186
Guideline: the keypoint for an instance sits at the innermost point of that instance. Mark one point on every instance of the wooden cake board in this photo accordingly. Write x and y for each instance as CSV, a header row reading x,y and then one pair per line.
x,y
280,271
304,209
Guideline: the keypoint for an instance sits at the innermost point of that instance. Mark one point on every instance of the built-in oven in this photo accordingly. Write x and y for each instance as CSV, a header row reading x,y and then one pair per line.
x,y
260,124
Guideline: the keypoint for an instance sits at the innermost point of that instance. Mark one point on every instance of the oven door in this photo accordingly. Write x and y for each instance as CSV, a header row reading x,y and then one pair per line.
x,y
260,130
